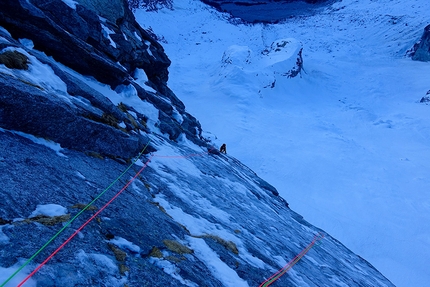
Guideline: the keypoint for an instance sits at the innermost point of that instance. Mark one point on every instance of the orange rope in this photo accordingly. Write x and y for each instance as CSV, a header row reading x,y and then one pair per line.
x,y
290,264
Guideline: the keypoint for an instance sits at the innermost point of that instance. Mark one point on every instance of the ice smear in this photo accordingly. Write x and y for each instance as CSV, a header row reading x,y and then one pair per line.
x,y
125,244
49,210
171,269
3,237
5,273
50,144
106,269
70,3
216,266
38,74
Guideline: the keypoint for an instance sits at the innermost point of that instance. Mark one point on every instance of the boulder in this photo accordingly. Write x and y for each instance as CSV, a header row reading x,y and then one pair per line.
x,y
426,98
421,50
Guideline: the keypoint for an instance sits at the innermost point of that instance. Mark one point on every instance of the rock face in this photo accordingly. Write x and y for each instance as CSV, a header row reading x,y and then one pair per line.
x,y
421,50
111,10
189,219
426,98
110,47
115,44
83,90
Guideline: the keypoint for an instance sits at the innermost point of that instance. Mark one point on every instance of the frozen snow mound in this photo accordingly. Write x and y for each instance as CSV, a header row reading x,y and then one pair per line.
x,y
282,56
237,55
242,66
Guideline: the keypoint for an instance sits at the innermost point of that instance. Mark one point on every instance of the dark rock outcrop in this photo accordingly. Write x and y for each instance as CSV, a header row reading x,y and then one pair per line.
x,y
14,60
421,50
107,45
426,98
107,49
24,107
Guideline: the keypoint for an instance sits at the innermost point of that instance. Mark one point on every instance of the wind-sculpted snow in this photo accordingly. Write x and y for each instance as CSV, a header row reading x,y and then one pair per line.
x,y
258,70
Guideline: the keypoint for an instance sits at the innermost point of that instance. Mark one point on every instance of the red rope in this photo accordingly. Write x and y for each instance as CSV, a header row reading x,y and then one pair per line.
x,y
85,224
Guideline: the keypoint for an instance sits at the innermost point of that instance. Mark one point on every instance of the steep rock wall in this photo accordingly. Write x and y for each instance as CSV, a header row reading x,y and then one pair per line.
x,y
421,50
112,50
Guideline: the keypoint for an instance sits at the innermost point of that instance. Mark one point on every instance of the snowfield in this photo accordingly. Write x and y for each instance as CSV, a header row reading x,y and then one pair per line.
x,y
347,144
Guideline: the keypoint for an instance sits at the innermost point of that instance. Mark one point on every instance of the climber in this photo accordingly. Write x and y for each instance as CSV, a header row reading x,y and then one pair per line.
x,y
223,149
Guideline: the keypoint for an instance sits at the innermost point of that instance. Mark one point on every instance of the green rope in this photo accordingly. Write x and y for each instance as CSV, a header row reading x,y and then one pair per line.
x,y
76,216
